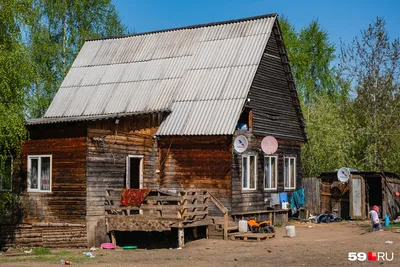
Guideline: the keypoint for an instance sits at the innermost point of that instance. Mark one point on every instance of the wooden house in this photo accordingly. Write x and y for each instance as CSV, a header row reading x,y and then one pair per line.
x,y
160,110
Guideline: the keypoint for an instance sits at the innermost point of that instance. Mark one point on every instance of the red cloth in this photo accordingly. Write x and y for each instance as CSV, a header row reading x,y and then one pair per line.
x,y
133,197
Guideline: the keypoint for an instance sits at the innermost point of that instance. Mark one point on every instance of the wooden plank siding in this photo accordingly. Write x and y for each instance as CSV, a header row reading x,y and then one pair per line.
x,y
270,98
67,200
197,163
254,200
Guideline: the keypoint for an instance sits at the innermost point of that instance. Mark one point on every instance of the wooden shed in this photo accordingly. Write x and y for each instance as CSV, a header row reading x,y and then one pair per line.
x,y
354,199
160,110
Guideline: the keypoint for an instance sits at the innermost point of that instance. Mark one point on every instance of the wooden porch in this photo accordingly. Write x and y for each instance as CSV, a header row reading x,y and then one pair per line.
x,y
160,211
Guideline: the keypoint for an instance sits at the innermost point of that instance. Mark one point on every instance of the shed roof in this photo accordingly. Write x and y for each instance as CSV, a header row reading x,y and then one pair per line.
x,y
202,74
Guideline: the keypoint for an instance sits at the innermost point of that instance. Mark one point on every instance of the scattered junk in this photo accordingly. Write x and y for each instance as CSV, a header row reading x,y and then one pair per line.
x,y
129,247
389,242
93,249
64,262
261,227
28,251
89,255
290,231
324,218
108,246
253,230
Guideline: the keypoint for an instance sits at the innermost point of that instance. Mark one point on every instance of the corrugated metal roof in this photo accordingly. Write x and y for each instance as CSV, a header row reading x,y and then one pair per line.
x,y
202,74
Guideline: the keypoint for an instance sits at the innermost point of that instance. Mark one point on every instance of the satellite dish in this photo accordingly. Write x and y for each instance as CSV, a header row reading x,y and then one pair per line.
x,y
269,145
240,144
343,175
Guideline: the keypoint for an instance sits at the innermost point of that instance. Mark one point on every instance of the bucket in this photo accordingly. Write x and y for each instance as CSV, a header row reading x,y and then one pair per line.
x,y
290,231
243,226
285,205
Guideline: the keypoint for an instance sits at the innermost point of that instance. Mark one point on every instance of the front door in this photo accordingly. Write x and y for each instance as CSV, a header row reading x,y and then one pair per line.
x,y
134,171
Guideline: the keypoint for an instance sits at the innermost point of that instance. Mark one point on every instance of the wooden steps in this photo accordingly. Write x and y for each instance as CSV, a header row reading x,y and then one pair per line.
x,y
251,236
216,231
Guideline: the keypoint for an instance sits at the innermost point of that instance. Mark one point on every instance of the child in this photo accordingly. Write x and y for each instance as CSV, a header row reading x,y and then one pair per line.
x,y
376,225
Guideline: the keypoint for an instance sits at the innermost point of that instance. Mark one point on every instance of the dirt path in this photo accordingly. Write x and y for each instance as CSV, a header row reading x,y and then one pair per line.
x,y
319,245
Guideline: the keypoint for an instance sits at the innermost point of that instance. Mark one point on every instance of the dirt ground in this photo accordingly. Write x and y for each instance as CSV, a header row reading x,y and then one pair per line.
x,y
314,245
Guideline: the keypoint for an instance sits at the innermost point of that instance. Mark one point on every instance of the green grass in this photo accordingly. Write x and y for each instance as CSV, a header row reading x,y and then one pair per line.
x,y
394,225
45,255
41,251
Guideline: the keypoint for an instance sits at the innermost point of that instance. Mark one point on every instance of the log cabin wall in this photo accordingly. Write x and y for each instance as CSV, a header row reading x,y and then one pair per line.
x,y
108,145
56,218
259,199
67,200
197,162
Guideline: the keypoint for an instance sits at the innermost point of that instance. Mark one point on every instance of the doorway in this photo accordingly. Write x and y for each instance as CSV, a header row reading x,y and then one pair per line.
x,y
374,193
134,171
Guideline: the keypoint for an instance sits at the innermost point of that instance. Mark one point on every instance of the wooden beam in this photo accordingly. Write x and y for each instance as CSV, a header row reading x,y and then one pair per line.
x,y
181,237
113,239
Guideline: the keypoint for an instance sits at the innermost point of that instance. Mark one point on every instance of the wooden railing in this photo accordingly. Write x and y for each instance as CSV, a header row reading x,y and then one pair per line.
x,y
187,206
224,211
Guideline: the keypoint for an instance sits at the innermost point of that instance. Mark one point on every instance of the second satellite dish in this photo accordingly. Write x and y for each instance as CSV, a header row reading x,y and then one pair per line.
x,y
269,145
343,175
240,144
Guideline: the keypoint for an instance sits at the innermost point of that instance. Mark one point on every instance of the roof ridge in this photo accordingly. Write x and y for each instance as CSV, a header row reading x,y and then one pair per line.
x,y
185,27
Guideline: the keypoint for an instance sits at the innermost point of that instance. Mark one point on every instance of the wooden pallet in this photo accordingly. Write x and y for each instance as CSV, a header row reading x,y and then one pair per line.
x,y
251,236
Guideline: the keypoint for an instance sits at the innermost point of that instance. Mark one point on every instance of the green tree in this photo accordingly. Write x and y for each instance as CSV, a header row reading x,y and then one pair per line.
x,y
330,129
16,72
324,98
57,32
311,55
371,64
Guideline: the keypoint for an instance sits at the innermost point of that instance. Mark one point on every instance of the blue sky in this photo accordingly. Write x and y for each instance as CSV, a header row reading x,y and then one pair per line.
x,y
341,19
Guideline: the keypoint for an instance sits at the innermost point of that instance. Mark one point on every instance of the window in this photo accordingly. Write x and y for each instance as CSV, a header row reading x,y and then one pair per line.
x,y
39,173
290,173
6,174
270,172
249,171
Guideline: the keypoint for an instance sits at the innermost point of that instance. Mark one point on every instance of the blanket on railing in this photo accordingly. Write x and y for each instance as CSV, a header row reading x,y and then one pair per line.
x,y
133,197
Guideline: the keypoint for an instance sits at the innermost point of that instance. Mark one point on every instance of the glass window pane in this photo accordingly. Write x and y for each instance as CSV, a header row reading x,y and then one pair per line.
x,y
286,172
292,174
244,171
267,173
252,172
273,172
34,173
45,173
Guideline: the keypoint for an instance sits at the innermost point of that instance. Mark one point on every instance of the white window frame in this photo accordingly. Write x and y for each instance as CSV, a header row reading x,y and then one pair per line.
x,y
269,157
39,172
248,155
285,172
11,177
